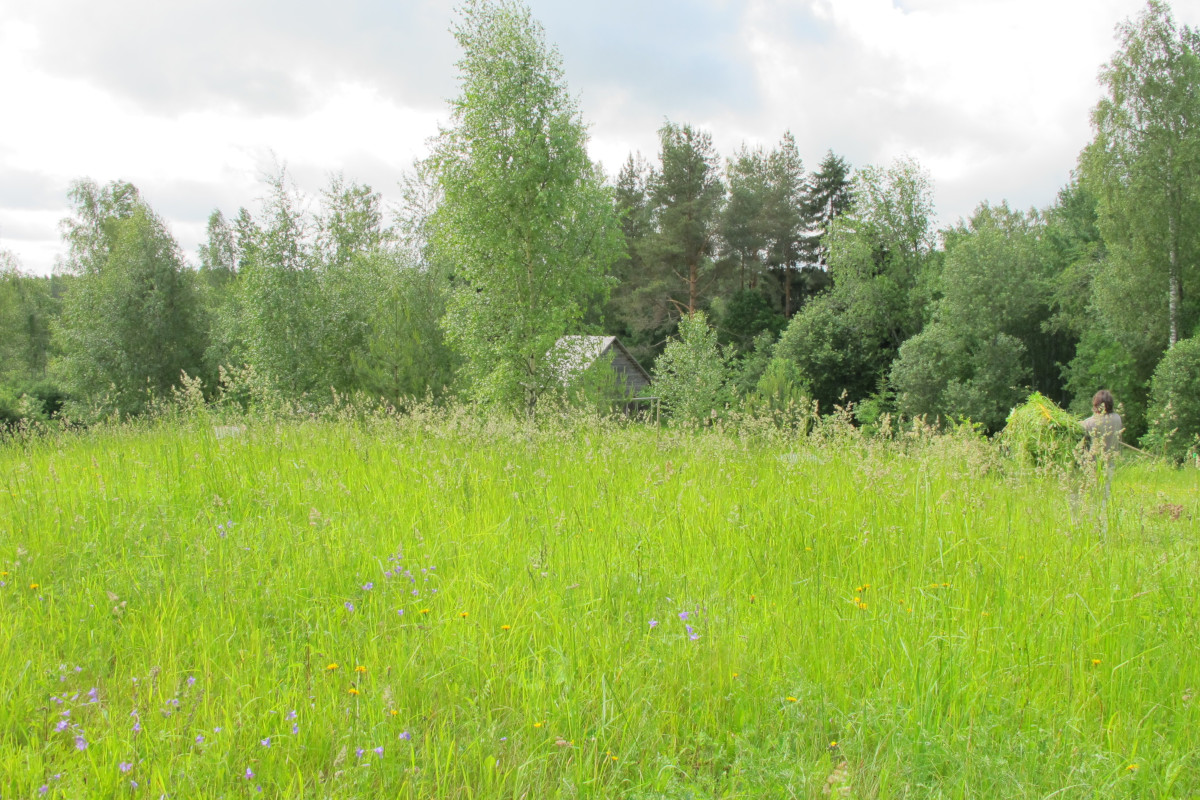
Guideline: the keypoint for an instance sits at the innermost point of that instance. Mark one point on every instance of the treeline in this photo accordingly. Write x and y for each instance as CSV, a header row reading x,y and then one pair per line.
x,y
777,284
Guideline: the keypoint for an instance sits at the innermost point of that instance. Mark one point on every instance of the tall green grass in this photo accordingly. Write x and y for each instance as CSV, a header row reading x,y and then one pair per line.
x,y
587,610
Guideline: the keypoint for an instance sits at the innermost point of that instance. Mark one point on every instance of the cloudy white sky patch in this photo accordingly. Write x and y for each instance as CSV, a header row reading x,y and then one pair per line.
x,y
194,102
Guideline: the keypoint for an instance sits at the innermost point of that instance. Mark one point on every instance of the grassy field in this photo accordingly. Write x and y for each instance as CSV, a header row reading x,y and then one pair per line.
x,y
452,608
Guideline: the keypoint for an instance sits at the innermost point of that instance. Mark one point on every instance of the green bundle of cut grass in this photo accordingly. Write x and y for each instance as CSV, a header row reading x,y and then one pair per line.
x,y
1039,432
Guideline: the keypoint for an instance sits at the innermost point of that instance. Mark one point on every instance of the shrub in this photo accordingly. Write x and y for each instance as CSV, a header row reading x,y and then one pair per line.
x,y
1174,413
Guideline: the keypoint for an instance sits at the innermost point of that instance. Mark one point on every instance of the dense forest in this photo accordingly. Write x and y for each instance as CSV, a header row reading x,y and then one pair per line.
x,y
775,282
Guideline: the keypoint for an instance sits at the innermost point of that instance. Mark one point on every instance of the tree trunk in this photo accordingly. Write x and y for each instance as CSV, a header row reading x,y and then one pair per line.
x,y
1173,278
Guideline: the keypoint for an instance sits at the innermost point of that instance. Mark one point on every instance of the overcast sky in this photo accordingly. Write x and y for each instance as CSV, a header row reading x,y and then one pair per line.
x,y
192,102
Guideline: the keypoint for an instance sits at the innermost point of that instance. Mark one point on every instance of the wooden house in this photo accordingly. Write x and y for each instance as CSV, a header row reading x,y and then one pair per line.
x,y
573,356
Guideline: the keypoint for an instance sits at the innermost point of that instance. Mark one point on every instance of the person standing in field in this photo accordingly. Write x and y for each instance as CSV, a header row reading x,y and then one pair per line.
x,y
1103,428
1102,437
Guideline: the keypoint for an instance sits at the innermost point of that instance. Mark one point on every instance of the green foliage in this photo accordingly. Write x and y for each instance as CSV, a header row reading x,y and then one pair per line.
x,y
692,376
686,196
130,323
1144,168
884,270
987,340
825,347
525,219
745,315
1040,433
1175,402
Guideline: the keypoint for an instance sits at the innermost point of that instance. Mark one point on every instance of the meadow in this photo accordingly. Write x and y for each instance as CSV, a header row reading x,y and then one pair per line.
x,y
447,606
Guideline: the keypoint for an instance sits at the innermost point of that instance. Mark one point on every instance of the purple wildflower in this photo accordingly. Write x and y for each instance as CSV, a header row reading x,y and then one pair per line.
x,y
405,736
292,714
691,633
125,766
653,623
368,586
45,787
249,774
80,742
683,615
266,742
400,612
61,726
295,728
133,784
349,606
358,753
199,738
191,681
379,750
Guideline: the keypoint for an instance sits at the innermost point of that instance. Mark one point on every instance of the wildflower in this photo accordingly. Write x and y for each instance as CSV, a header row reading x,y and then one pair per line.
x,y
653,623
61,726
349,606
45,787
506,627
360,668
752,598
353,690
791,699
1095,662
358,753
199,738
80,742
1132,768
394,712
368,586
405,736
379,750
833,744
400,612
125,766
683,615
133,784
424,610
463,614
266,742
35,586
538,724
191,681
692,634
331,667
291,714
249,774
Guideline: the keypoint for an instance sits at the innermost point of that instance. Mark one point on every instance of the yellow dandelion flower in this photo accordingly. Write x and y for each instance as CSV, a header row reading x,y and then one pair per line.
x,y
393,712
1095,662
353,690
833,744
360,668
463,614
35,586
506,627
424,610
614,758
735,674
1132,768
791,699
538,724
752,598
331,667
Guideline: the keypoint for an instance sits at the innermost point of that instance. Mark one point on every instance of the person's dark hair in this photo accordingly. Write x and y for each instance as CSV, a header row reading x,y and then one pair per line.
x,y
1103,398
